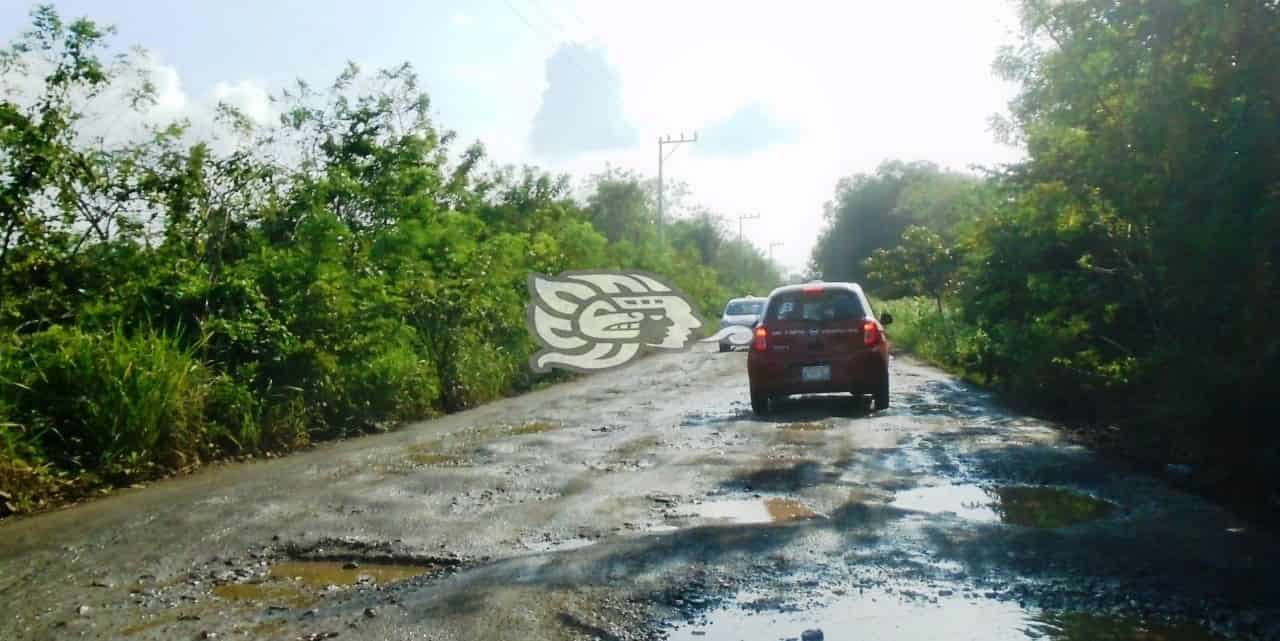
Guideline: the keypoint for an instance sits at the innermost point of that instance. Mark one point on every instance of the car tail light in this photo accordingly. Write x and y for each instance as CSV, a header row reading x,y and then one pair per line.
x,y
762,340
870,333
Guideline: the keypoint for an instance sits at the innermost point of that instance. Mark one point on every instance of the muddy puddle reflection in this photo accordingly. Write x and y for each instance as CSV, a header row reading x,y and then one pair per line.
x,y
1076,626
298,584
1027,506
885,616
751,511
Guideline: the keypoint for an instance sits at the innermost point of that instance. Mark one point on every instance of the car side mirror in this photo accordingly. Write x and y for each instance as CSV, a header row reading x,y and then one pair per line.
x,y
886,319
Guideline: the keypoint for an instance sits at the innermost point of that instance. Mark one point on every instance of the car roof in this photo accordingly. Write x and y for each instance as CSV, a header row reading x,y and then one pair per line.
x,y
788,289
747,299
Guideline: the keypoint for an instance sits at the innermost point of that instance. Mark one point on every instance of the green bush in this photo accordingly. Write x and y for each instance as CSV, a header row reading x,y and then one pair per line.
x,y
941,338
238,304
120,404
234,416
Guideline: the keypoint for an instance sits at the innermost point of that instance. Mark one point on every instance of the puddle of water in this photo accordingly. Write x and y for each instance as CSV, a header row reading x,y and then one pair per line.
x,y
965,501
876,614
1028,506
1047,507
297,584
1079,626
750,511
321,574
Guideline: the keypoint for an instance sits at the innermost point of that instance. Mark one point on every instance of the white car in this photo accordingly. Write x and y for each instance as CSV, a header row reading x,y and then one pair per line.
x,y
744,312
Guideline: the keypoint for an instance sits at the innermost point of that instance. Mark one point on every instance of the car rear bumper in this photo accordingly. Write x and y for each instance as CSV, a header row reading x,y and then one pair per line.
x,y
859,372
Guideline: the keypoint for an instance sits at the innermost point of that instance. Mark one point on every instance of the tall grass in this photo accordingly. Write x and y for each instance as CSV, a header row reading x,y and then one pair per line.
x,y
112,402
942,338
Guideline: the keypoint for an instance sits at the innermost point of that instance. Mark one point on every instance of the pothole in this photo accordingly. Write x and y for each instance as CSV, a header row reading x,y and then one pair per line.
x,y
1027,506
298,575
436,459
751,511
924,614
299,584
458,449
1080,626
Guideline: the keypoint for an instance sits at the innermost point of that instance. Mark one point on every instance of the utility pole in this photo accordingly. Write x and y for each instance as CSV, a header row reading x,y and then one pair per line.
x,y
776,243
667,140
740,245
742,218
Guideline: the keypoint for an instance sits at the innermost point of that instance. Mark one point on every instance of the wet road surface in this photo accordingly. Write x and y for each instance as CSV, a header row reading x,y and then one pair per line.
x,y
650,503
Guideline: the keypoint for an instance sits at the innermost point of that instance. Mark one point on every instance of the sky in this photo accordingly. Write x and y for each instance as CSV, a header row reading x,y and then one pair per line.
x,y
785,98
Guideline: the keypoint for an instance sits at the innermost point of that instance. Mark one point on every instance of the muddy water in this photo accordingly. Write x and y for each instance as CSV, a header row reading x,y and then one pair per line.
x,y
885,616
1027,506
751,511
321,574
297,584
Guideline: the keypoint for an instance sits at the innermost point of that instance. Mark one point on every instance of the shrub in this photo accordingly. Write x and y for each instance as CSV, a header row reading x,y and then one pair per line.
x,y
111,402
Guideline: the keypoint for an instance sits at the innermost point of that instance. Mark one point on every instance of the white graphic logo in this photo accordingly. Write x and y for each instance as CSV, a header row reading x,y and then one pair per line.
x,y
594,320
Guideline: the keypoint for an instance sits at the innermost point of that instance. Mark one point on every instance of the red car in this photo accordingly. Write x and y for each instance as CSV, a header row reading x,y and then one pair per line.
x,y
818,338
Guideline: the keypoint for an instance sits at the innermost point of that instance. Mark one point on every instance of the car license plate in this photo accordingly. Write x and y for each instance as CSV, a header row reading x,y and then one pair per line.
x,y
815,373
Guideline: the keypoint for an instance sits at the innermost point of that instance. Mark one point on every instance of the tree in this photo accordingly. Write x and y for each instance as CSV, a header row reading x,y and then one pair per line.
x,y
871,212
922,265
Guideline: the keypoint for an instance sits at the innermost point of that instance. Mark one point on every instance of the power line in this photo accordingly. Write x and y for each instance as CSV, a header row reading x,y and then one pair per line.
x,y
559,26
552,40
526,20
668,140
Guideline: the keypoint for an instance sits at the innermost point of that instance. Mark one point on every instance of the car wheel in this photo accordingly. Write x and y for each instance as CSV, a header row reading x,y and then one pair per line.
x,y
760,403
882,393
862,402
723,347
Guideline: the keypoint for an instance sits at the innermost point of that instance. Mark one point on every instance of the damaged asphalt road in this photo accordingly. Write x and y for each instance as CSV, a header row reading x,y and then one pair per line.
x,y
650,503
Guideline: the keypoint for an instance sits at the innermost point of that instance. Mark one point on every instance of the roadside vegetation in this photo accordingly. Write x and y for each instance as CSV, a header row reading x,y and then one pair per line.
x,y
171,298
1126,275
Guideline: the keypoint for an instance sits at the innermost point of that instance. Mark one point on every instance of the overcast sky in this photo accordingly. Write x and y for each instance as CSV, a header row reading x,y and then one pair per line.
x,y
787,98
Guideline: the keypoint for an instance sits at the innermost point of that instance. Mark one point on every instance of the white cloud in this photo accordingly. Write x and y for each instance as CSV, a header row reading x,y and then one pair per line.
x,y
855,83
248,97
460,20
581,108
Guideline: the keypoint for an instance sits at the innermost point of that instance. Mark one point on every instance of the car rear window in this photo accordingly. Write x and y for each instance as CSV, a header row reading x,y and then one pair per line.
x,y
828,305
742,308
